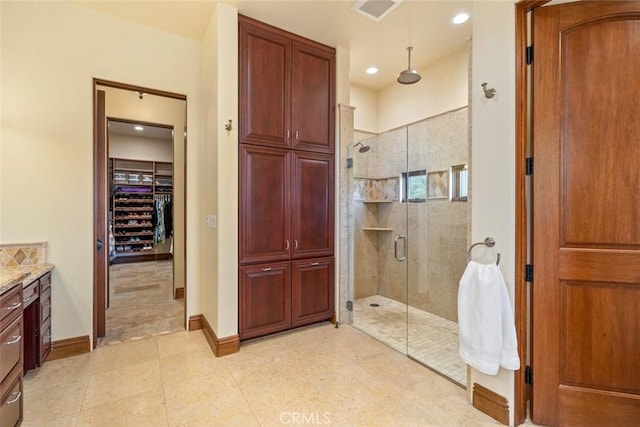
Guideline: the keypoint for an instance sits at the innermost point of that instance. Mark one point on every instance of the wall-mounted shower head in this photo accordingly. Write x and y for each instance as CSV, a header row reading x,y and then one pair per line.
x,y
363,147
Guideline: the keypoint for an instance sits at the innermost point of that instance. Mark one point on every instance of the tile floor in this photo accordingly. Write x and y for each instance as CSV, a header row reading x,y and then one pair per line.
x,y
315,375
432,339
141,302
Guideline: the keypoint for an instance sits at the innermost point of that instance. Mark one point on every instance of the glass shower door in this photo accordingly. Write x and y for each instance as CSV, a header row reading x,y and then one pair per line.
x,y
438,225
378,223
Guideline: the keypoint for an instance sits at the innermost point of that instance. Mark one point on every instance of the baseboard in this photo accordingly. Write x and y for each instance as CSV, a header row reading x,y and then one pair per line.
x,y
195,322
491,403
178,293
69,347
220,346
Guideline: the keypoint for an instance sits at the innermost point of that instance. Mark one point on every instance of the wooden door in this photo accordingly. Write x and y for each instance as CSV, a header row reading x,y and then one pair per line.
x,y
264,204
312,93
264,86
312,294
265,299
586,251
312,204
100,200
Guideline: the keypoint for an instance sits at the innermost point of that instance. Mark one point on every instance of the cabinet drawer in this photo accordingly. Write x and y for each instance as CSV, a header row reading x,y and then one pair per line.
x,y
10,304
11,401
10,347
30,294
45,341
45,305
45,282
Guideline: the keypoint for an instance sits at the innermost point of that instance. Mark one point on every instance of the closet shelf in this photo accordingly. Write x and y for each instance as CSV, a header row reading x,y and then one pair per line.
x,y
377,229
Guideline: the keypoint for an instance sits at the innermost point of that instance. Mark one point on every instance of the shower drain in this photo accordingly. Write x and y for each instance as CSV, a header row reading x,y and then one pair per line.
x,y
374,304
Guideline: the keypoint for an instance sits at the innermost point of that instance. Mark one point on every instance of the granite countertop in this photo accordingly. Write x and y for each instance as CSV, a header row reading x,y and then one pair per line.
x,y
25,274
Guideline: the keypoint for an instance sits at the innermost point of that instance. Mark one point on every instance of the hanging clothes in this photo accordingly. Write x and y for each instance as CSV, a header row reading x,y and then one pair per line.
x,y
160,236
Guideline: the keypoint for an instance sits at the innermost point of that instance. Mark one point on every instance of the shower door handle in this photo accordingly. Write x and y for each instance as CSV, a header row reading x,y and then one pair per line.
x,y
404,248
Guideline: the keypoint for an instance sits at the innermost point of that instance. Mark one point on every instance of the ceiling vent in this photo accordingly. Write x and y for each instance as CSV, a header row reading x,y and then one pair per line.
x,y
375,9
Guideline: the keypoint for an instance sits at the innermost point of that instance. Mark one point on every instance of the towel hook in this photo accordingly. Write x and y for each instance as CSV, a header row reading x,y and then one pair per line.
x,y
488,242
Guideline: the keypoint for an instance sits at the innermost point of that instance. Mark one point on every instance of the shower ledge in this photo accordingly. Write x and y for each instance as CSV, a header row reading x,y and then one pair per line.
x,y
377,229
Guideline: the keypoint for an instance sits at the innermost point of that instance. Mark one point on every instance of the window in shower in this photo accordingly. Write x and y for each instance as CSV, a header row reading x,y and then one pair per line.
x,y
459,183
414,186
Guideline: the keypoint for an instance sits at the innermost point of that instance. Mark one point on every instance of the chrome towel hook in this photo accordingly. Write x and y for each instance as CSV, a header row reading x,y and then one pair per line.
x,y
488,92
488,242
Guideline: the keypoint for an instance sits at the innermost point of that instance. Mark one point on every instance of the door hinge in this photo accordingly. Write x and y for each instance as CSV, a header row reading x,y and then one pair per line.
x,y
528,273
529,54
528,168
350,305
528,375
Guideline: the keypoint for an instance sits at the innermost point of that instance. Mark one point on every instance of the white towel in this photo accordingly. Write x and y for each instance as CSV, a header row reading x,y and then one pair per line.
x,y
487,330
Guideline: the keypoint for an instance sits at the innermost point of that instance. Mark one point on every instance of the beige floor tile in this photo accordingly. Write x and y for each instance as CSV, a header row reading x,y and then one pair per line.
x,y
50,403
207,415
68,421
115,356
144,409
123,382
180,342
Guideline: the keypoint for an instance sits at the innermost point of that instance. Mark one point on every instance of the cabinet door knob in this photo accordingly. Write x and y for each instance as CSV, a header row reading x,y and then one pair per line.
x,y
297,136
286,244
315,263
287,134
266,269
295,244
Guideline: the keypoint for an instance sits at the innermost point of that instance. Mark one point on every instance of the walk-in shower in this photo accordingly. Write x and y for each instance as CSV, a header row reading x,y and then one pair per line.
x,y
408,238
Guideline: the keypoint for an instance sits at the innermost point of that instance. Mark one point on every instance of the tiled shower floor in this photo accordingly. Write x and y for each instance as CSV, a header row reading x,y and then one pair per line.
x,y
432,339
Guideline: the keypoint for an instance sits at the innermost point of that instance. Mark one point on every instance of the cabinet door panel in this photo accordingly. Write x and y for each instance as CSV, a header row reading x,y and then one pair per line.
x,y
312,98
265,299
313,291
312,209
265,94
264,204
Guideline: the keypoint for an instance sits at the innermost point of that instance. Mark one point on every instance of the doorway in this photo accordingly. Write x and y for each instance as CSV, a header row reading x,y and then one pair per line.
x,y
139,212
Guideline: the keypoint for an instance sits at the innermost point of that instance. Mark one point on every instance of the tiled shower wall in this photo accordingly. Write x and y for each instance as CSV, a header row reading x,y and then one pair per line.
x,y
437,229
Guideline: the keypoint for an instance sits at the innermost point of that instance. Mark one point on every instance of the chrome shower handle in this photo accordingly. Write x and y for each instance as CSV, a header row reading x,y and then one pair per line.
x,y
395,248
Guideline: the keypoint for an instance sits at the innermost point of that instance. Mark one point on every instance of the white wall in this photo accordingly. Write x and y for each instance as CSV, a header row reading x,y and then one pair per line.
x,y
366,114
50,52
140,148
220,167
443,87
493,150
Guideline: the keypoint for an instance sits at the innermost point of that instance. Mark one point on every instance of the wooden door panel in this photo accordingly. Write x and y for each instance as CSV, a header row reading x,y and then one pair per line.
x,y
265,299
591,167
312,111
586,251
264,86
312,291
599,345
264,204
313,209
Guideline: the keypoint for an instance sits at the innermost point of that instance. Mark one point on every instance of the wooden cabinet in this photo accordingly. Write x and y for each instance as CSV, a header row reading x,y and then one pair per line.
x,y
312,291
286,204
277,296
287,86
286,182
37,322
11,357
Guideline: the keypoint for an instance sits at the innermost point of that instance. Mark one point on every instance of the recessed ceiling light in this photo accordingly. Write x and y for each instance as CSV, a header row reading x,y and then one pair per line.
x,y
372,70
460,18
138,128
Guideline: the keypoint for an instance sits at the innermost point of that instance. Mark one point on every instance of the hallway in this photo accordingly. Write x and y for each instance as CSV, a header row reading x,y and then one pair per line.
x,y
141,302
338,377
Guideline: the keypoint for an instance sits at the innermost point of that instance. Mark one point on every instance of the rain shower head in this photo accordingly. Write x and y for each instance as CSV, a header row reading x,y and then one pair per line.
x,y
409,76
363,147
